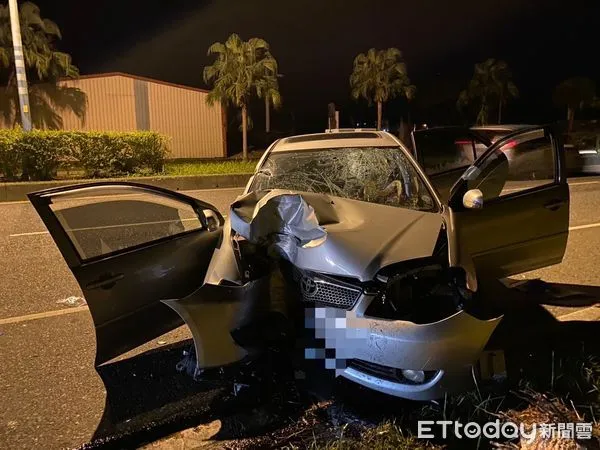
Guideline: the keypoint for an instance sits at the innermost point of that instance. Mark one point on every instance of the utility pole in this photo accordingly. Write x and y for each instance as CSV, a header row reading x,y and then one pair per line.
x,y
15,28
332,122
267,114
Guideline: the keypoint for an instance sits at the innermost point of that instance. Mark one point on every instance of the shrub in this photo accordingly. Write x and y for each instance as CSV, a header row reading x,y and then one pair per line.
x,y
11,158
105,154
38,154
43,152
150,150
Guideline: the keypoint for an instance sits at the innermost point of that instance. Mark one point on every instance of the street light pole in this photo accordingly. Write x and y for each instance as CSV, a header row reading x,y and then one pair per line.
x,y
15,27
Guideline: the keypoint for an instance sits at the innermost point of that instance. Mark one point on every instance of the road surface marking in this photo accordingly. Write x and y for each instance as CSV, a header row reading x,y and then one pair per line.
x,y
589,314
33,233
43,315
522,188
583,227
23,202
584,182
39,233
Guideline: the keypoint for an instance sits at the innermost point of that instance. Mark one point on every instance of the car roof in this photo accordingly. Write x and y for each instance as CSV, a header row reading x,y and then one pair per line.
x,y
441,128
502,127
335,139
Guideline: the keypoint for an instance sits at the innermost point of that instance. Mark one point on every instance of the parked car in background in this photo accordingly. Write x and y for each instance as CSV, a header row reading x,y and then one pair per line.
x,y
582,149
343,234
445,152
495,132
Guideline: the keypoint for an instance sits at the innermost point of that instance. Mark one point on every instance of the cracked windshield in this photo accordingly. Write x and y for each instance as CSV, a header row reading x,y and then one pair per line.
x,y
375,175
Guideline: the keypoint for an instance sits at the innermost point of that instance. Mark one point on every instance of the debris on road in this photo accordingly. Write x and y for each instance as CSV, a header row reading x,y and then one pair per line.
x,y
72,301
238,387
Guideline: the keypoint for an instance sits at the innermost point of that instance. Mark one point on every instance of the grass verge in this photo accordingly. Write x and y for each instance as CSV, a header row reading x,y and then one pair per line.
x,y
209,168
566,391
177,168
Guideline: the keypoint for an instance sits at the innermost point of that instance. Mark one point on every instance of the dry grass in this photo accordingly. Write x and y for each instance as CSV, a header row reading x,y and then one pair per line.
x,y
385,436
571,396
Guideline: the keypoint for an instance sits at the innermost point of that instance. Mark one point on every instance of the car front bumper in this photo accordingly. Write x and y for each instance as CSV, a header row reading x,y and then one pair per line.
x,y
373,352
436,387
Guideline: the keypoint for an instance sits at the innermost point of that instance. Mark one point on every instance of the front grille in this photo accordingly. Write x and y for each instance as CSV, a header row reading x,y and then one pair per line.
x,y
376,370
327,291
385,372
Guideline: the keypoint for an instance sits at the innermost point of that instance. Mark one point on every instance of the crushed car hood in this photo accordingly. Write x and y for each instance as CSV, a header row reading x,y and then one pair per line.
x,y
361,237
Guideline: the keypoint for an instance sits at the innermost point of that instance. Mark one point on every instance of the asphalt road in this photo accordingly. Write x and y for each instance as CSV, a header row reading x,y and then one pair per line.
x,y
51,395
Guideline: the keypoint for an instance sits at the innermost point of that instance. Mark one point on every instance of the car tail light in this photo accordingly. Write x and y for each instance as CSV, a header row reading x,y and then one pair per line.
x,y
509,144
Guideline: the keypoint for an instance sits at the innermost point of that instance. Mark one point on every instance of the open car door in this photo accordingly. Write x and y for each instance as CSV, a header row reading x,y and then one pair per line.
x,y
129,246
445,153
521,221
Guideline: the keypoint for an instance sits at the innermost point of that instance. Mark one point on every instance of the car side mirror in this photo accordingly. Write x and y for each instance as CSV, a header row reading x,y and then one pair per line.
x,y
211,219
473,199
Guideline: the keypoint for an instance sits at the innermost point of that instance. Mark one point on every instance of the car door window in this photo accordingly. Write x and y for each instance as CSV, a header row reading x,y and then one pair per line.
x,y
102,221
526,162
444,150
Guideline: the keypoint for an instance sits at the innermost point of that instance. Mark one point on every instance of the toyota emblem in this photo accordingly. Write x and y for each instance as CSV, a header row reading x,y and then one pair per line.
x,y
308,286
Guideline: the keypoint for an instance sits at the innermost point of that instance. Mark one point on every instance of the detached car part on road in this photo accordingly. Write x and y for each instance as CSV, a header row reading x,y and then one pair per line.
x,y
343,233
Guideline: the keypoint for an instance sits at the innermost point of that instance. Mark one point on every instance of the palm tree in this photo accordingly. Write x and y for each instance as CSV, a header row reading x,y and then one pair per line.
x,y
44,66
268,88
575,93
505,86
492,81
378,76
239,71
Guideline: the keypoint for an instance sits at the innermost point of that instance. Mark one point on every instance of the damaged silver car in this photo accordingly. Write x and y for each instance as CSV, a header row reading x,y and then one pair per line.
x,y
342,235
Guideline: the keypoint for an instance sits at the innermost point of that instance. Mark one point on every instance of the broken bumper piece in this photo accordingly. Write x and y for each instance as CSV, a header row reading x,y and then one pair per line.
x,y
213,312
396,357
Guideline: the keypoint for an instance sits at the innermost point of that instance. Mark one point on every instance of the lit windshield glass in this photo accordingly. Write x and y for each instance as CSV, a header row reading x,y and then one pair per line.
x,y
381,175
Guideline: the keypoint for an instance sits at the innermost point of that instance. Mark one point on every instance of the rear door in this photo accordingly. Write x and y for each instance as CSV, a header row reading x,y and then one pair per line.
x,y
445,153
524,222
130,246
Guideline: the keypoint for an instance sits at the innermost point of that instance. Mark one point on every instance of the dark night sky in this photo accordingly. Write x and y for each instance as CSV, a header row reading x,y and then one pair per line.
x,y
315,41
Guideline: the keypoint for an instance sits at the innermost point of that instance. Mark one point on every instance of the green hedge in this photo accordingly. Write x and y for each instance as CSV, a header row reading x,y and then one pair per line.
x,y
37,155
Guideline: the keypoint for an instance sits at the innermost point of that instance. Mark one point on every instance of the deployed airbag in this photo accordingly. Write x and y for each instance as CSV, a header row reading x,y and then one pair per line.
x,y
279,219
